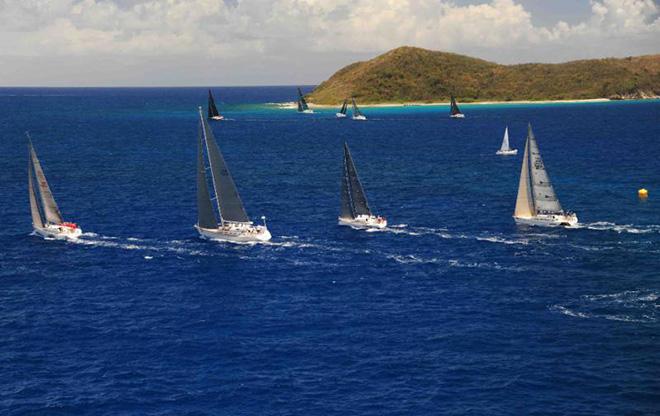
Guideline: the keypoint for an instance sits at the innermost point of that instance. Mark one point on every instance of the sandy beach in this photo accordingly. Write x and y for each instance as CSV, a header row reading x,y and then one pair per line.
x,y
293,104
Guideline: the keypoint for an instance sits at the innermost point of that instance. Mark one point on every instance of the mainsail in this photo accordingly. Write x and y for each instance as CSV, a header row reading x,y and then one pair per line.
x,y
37,217
302,104
205,215
356,110
353,199
229,201
545,199
344,107
505,142
213,110
524,201
454,107
48,205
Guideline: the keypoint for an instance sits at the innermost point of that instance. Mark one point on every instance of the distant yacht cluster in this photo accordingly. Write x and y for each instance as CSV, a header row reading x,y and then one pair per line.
x,y
221,215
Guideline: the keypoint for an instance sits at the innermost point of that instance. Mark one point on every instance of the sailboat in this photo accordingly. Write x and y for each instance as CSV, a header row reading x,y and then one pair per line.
x,y
302,104
454,112
357,114
343,110
537,203
505,150
213,110
234,224
46,217
355,211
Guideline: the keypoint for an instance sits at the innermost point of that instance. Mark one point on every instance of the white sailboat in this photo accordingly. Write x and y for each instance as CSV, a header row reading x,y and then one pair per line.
x,y
505,150
302,104
355,211
454,111
234,224
46,216
343,110
537,203
357,114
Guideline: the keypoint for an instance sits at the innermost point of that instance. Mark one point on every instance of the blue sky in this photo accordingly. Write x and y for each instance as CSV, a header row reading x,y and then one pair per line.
x,y
259,42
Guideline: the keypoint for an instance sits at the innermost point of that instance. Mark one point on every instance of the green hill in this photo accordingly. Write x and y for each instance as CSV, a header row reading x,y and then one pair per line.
x,y
410,74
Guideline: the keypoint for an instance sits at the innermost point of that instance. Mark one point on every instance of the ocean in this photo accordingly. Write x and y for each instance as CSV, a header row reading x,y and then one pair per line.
x,y
453,309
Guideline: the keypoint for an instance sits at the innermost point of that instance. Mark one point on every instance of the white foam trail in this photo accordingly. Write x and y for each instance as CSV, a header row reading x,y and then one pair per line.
x,y
620,228
627,306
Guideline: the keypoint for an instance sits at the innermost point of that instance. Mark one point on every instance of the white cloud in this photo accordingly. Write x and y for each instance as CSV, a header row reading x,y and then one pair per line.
x,y
277,30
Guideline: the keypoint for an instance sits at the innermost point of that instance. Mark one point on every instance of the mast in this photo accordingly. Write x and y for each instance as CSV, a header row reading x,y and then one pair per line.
x,y
524,201
357,197
229,201
545,198
213,110
205,215
49,206
302,104
505,141
454,107
37,218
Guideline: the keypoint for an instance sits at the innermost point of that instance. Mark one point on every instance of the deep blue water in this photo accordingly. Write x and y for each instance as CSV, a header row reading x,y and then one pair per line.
x,y
454,310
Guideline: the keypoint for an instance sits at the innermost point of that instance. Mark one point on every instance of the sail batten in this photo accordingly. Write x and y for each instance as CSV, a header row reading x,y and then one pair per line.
x,y
213,110
229,201
48,205
545,198
353,195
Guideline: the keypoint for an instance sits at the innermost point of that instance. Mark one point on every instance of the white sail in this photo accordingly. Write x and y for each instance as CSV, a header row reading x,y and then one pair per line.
x,y
505,142
37,220
545,199
48,204
524,201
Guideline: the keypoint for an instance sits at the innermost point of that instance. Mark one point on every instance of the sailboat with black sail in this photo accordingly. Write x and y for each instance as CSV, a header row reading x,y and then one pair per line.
x,y
537,202
302,104
505,149
233,224
454,111
355,211
47,219
343,110
213,110
357,114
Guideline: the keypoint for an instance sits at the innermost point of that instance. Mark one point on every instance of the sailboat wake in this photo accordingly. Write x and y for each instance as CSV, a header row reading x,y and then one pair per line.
x,y
620,228
626,306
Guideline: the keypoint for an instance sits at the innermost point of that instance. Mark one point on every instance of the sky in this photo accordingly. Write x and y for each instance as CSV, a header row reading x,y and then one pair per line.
x,y
287,42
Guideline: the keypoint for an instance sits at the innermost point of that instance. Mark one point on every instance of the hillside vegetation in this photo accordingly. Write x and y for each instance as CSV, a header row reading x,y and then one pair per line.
x,y
410,74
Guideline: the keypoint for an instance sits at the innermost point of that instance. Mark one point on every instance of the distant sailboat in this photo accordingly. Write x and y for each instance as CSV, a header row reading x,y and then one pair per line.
x,y
357,114
355,210
343,110
505,149
46,217
234,224
213,110
454,112
302,104
537,203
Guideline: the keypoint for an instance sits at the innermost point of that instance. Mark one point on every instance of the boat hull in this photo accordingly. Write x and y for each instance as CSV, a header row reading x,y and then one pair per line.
x,y
550,220
309,111
511,152
359,118
217,118
457,116
340,115
236,233
58,232
364,222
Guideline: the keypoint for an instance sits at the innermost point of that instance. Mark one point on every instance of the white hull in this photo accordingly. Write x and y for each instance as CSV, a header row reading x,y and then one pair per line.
x,y
217,118
340,115
308,111
58,232
364,221
361,118
549,220
236,233
507,152
457,116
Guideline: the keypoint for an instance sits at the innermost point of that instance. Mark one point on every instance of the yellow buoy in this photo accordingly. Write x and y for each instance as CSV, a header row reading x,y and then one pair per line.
x,y
643,193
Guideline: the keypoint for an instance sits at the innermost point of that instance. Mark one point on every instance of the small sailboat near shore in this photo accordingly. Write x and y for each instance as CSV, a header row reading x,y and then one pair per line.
x,y
213,110
537,203
355,211
357,114
505,149
343,110
454,111
47,219
302,104
234,225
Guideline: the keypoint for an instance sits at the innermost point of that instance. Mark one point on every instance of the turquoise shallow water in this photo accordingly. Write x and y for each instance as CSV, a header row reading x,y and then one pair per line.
x,y
453,310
